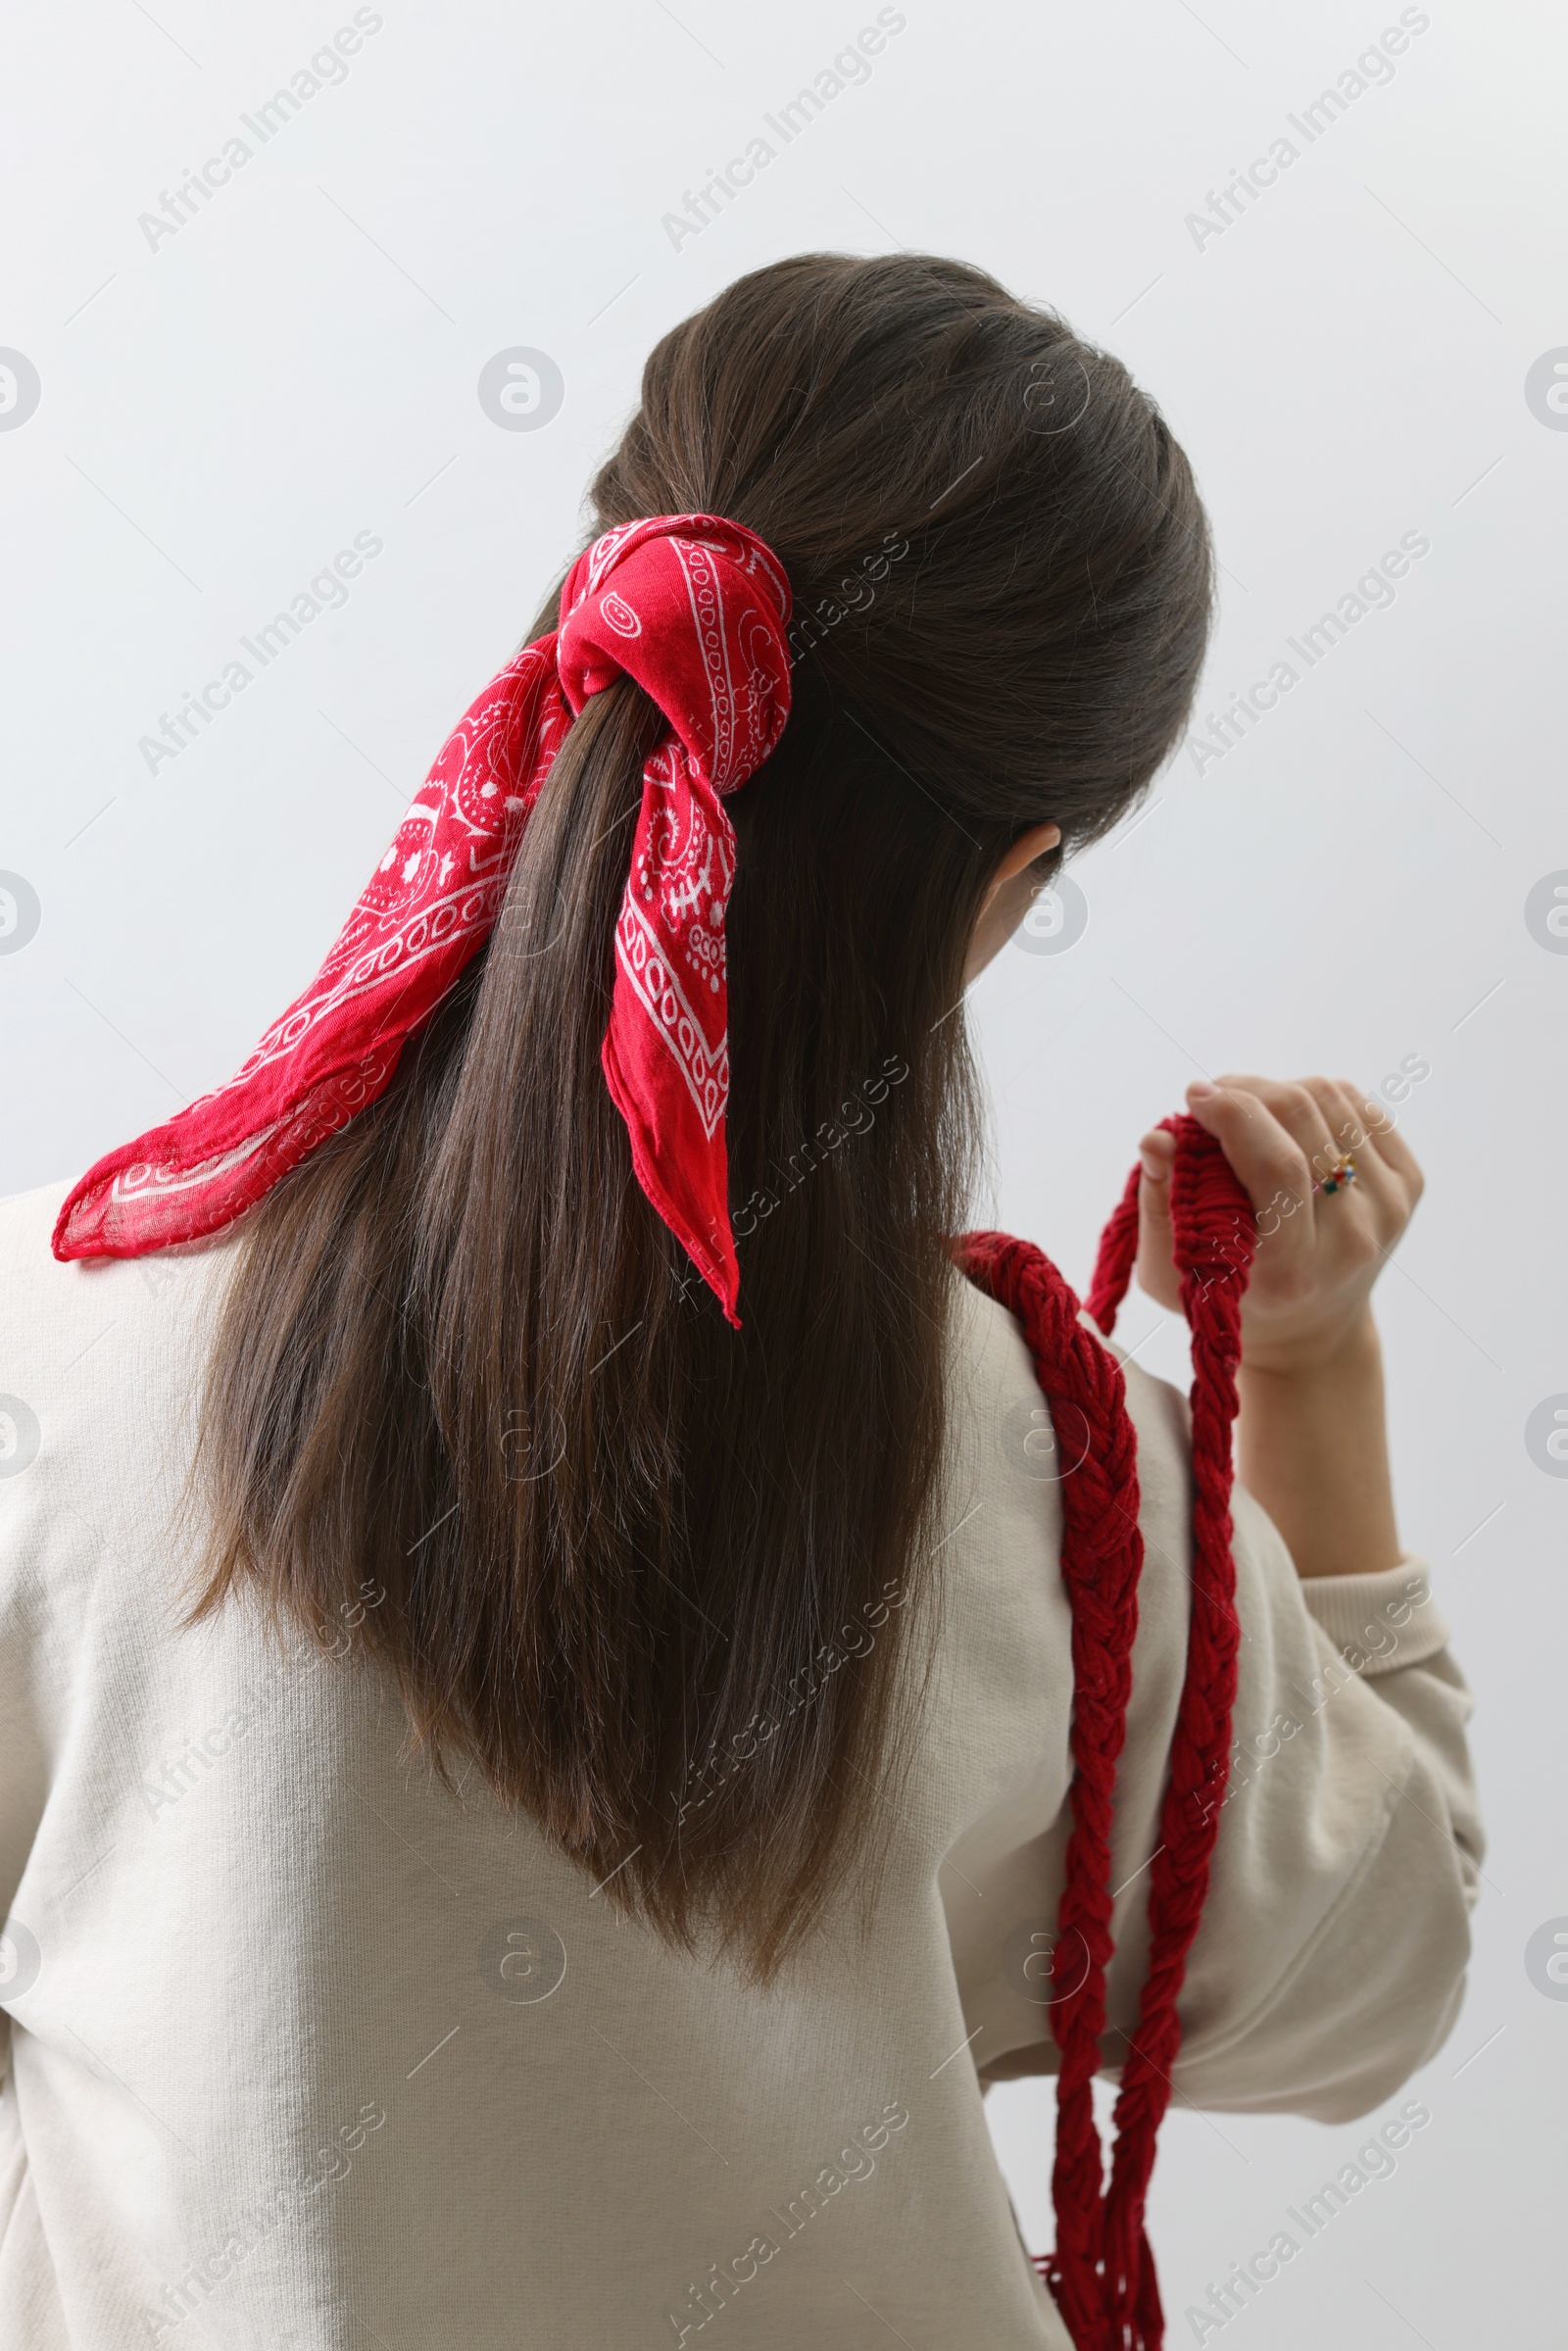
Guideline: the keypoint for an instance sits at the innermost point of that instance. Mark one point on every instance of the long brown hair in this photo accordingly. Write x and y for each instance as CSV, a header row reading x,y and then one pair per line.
x,y
651,1574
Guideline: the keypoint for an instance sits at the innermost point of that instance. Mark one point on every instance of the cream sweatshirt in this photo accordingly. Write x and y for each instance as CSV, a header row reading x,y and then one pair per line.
x,y
305,2052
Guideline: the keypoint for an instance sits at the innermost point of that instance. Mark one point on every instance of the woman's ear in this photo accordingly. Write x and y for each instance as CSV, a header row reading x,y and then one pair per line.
x,y
1007,900
1037,841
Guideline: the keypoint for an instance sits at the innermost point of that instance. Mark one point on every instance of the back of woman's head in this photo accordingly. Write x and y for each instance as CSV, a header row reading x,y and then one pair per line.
x,y
653,1574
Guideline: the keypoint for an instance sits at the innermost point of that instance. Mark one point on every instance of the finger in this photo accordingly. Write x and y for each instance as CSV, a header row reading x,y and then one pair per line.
x,y
1367,1216
1388,1141
1359,1121
1348,1119
1351,1229
1348,1134
1363,1123
1300,1111
1268,1160
1366,1133
1390,1197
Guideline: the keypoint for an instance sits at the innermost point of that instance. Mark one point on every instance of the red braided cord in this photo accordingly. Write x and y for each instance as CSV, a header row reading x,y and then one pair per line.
x,y
1214,1233
1100,1560
1103,2271
1116,1257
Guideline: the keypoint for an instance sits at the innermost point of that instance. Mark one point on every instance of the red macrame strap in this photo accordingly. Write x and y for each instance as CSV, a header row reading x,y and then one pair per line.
x,y
1102,2269
1102,1554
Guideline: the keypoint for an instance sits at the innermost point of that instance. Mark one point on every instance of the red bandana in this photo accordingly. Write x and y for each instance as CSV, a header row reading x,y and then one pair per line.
x,y
693,609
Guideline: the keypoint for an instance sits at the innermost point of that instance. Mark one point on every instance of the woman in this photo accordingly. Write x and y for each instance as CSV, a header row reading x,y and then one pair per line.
x,y
536,1767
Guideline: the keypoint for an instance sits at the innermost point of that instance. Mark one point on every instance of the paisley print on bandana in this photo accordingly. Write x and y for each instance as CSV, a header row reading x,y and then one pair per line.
x,y
697,618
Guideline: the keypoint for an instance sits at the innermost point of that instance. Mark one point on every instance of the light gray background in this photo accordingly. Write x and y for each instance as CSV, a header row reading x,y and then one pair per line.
x,y
223,411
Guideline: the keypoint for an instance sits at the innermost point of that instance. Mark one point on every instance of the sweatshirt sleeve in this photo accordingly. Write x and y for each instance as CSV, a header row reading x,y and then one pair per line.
x,y
1330,1959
